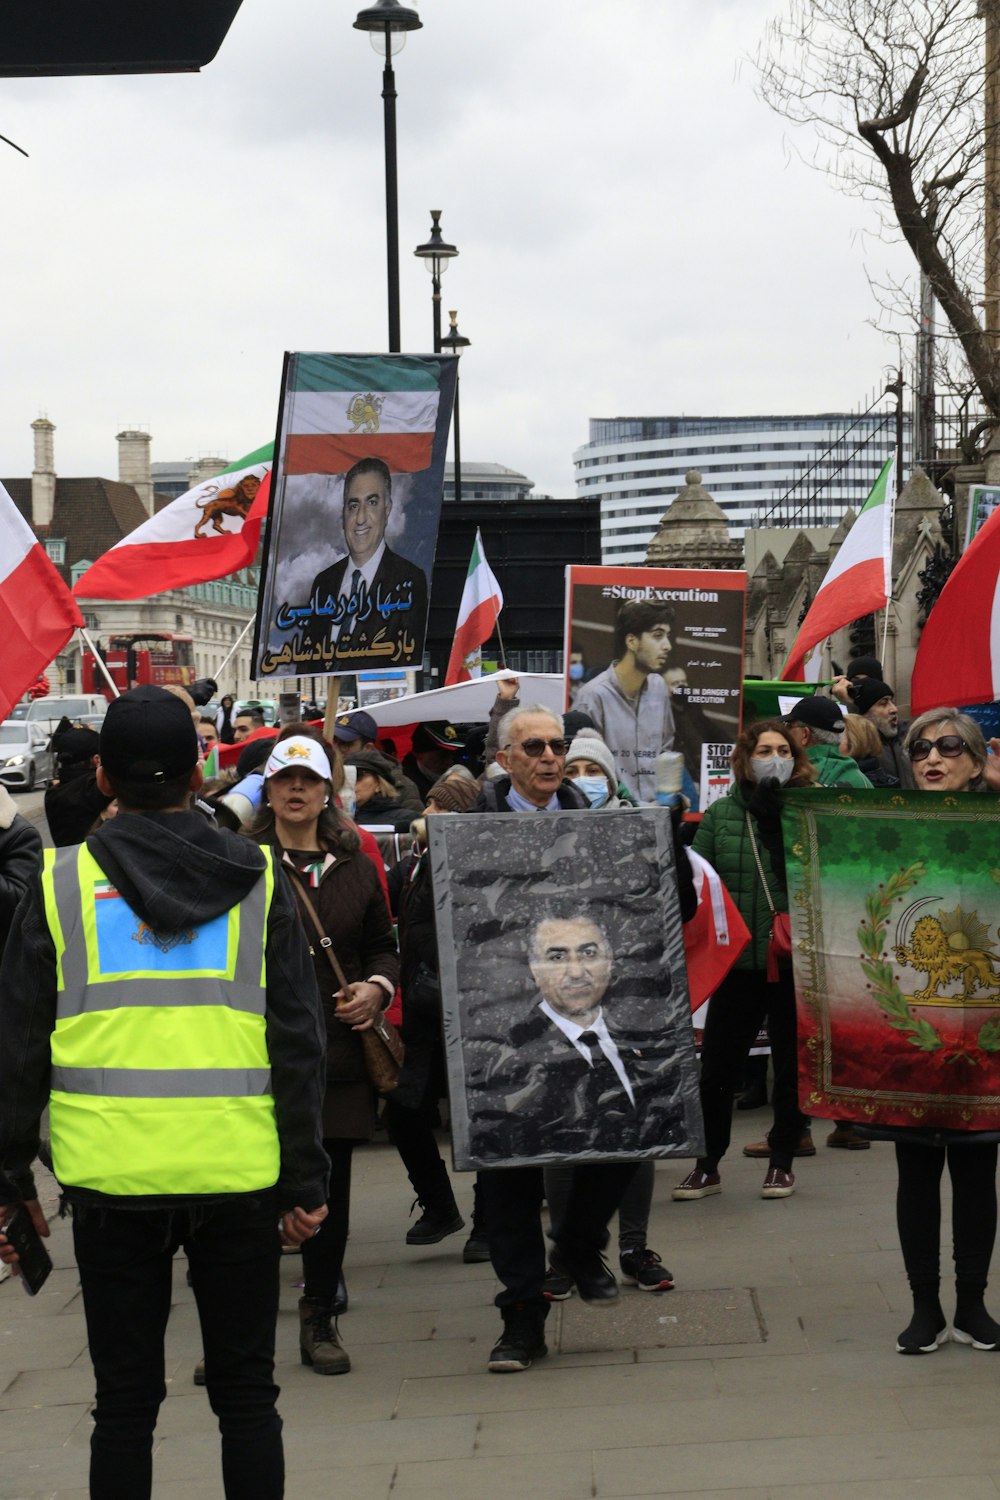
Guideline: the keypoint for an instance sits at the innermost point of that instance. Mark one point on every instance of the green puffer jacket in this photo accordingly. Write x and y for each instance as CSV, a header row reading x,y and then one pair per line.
x,y
834,768
723,840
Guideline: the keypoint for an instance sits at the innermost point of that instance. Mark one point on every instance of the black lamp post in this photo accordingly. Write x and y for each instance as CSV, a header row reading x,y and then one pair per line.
x,y
455,342
435,254
387,23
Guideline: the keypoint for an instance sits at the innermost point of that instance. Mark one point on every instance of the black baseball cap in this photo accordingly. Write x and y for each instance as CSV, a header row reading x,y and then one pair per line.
x,y
148,735
818,713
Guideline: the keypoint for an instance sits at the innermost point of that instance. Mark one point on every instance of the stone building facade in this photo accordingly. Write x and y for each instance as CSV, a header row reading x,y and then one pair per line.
x,y
786,570
79,519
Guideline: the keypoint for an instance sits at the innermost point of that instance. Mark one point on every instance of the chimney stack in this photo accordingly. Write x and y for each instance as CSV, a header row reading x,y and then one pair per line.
x,y
43,475
134,465
206,468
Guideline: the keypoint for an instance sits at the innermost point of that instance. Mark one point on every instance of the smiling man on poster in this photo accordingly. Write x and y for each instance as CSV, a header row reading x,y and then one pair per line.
x,y
373,596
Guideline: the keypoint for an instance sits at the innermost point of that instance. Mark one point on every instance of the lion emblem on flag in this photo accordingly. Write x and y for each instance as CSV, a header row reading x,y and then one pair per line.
x,y
235,503
364,412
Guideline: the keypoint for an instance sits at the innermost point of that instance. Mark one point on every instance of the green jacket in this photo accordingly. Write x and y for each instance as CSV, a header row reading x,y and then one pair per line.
x,y
723,840
834,768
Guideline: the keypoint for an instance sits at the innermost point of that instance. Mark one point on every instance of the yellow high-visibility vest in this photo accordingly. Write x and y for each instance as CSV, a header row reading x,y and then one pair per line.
x,y
161,1080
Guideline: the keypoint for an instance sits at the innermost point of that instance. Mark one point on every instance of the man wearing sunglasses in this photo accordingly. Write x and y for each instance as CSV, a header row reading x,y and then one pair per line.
x,y
533,755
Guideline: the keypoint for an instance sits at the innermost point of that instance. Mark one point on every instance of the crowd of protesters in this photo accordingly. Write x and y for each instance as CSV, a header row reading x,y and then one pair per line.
x,y
308,846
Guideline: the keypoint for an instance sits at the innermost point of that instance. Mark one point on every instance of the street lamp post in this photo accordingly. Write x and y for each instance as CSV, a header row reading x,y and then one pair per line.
x,y
387,23
435,254
455,342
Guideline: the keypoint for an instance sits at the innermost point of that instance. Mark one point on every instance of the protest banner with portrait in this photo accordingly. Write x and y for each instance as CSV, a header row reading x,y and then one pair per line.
x,y
895,904
566,1013
655,657
357,486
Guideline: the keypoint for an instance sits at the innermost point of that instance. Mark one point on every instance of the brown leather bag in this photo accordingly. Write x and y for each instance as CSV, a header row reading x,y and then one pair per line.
x,y
381,1043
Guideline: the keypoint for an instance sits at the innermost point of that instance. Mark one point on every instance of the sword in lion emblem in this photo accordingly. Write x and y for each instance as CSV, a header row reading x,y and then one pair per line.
x,y
364,412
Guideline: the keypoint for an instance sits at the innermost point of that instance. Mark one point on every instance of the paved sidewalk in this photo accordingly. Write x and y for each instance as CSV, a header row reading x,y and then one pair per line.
x,y
769,1374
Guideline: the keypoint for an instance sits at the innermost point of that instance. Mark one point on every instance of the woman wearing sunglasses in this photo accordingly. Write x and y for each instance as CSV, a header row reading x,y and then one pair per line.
x,y
948,754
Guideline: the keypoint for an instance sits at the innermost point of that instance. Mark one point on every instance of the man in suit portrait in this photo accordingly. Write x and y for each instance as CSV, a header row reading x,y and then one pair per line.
x,y
573,1076
371,604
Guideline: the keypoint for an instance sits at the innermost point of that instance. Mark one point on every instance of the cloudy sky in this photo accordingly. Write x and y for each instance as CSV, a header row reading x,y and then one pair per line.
x,y
636,234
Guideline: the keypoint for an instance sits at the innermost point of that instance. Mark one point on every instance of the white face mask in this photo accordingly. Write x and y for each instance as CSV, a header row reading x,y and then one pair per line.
x,y
778,767
594,788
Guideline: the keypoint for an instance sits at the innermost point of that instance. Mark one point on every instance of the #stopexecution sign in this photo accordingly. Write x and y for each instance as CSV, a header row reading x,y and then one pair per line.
x,y
895,907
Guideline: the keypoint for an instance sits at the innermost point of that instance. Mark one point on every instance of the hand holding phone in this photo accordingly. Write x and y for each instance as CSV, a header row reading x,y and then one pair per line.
x,y
33,1262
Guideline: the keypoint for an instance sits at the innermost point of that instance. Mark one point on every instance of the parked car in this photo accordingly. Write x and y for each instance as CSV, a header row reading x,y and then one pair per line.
x,y
25,759
79,708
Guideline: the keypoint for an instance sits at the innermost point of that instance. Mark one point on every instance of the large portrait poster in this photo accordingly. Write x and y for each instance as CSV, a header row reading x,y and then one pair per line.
x,y
895,904
567,1020
355,504
655,657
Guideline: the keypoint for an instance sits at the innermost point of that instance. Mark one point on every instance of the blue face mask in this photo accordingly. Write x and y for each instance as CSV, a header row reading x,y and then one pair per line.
x,y
594,788
576,671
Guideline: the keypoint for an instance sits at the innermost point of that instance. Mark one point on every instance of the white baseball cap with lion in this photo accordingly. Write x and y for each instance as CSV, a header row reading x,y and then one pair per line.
x,y
299,753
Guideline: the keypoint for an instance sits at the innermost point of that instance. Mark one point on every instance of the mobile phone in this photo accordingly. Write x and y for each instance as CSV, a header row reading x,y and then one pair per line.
x,y
34,1261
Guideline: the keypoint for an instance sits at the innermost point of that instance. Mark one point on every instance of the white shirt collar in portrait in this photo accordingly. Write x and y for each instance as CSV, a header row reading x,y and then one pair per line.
x,y
573,1032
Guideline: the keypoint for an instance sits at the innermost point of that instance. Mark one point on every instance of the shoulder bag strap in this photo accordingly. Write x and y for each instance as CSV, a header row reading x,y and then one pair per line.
x,y
760,867
325,943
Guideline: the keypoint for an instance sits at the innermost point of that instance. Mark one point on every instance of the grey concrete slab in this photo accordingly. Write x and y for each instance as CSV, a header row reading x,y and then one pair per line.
x,y
564,1476
650,1321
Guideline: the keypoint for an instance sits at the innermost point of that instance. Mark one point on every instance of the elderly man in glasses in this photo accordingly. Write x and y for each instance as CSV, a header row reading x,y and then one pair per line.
x,y
533,755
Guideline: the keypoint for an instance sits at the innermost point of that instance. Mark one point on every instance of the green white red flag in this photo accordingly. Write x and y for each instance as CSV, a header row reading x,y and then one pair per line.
x,y
858,581
481,604
38,614
208,532
338,409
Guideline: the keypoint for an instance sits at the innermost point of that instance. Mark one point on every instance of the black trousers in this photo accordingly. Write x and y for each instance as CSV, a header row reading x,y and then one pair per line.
x,y
323,1254
973,1171
125,1260
512,1203
736,1012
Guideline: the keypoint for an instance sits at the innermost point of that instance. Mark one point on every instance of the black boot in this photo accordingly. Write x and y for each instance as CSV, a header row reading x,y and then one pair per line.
x,y
522,1340
973,1324
477,1246
928,1328
440,1215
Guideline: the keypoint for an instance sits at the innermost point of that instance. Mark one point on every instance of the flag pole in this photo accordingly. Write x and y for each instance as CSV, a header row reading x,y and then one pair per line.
x,y
496,626
236,645
99,660
897,466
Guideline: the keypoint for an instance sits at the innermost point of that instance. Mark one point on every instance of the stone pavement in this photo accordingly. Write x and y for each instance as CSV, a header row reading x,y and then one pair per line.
x,y
769,1374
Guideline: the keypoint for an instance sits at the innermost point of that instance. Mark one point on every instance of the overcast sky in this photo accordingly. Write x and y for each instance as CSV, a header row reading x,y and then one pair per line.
x,y
636,236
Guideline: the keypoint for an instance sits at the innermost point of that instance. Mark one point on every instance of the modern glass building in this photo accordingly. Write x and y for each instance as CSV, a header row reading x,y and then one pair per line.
x,y
766,470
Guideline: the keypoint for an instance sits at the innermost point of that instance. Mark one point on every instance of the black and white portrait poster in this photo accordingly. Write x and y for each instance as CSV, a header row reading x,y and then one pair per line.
x,y
352,526
567,1020
655,657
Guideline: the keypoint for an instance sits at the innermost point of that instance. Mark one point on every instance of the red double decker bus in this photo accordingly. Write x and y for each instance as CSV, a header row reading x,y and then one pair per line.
x,y
158,657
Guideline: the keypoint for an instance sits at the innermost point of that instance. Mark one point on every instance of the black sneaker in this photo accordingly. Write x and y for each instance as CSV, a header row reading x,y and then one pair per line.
x,y
476,1248
556,1288
433,1226
589,1273
522,1340
926,1331
643,1268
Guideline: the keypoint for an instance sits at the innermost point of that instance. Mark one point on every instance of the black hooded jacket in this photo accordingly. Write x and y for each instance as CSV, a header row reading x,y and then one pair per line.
x,y
174,870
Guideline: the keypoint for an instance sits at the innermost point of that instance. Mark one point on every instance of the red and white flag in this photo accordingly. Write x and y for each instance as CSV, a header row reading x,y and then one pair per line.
x,y
481,604
958,659
858,581
38,614
209,532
